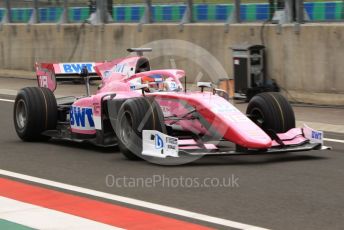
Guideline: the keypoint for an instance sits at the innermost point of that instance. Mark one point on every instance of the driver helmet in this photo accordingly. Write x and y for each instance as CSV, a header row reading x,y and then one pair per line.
x,y
155,82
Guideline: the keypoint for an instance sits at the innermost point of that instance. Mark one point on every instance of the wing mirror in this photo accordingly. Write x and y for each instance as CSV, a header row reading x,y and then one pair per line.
x,y
219,92
203,85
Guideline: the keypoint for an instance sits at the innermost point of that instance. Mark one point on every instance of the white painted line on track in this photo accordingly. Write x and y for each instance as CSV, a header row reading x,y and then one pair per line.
x,y
131,201
6,100
9,92
43,218
333,140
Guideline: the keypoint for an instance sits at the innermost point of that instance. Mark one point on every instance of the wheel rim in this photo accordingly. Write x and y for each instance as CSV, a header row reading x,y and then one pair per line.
x,y
257,117
126,131
21,114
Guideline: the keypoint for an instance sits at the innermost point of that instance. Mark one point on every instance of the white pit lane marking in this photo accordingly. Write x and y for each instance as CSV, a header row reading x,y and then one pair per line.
x,y
333,140
136,202
38,217
6,100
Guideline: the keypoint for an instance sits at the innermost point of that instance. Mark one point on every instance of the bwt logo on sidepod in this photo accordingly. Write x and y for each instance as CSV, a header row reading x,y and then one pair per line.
x,y
81,118
76,67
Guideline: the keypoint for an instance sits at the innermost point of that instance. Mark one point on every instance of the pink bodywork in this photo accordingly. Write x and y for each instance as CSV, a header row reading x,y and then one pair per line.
x,y
221,117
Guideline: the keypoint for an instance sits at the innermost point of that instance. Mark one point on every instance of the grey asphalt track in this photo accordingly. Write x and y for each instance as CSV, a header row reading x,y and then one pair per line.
x,y
290,191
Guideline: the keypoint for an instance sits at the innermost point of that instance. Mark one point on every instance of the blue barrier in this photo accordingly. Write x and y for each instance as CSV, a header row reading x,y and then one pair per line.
x,y
317,11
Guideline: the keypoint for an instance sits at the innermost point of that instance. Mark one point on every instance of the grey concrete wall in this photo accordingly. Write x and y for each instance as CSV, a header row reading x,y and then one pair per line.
x,y
309,62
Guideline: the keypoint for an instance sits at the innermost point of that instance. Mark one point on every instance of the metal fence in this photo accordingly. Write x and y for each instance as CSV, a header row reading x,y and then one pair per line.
x,y
150,11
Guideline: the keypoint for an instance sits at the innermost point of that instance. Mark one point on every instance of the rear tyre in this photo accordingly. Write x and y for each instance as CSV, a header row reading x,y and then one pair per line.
x,y
135,115
35,111
271,111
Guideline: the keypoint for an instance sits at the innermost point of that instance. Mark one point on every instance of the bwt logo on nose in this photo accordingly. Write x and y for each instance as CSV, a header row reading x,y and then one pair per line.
x,y
76,67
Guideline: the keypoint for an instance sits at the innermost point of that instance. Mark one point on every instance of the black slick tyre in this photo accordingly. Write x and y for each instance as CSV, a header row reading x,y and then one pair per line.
x,y
35,111
135,115
271,111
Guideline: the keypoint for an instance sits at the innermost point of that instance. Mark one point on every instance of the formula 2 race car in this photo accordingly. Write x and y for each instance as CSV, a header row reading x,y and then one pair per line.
x,y
149,113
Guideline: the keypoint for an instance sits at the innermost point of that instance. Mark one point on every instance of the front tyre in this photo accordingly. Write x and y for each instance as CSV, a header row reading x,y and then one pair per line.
x,y
35,111
135,115
271,111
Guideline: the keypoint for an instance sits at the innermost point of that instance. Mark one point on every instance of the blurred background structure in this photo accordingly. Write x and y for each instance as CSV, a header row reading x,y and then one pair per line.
x,y
52,11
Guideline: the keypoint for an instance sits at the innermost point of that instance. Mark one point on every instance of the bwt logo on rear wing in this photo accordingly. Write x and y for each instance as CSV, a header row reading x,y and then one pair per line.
x,y
74,68
71,71
49,73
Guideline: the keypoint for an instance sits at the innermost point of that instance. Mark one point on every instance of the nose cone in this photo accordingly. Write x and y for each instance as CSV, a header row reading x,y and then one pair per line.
x,y
237,127
259,140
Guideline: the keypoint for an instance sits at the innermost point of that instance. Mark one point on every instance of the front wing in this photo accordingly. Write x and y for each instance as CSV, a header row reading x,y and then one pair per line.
x,y
157,144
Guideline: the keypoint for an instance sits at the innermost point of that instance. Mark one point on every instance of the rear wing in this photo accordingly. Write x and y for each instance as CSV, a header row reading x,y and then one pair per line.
x,y
48,74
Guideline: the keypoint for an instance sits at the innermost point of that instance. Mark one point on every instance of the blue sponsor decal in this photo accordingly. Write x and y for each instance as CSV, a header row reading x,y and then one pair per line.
x,y
159,143
79,115
107,74
76,67
316,135
172,85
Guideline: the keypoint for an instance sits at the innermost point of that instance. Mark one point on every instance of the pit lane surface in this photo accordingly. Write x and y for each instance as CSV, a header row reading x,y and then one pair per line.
x,y
291,191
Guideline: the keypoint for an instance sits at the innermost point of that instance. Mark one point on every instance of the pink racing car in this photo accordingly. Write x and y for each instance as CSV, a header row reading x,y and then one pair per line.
x,y
149,113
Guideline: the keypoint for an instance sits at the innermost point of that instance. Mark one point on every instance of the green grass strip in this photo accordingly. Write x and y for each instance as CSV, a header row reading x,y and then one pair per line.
x,y
4,224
